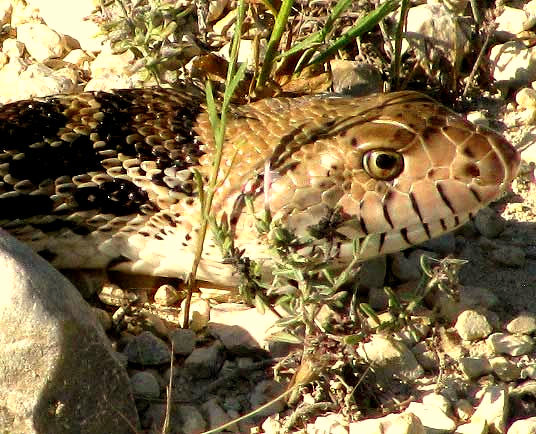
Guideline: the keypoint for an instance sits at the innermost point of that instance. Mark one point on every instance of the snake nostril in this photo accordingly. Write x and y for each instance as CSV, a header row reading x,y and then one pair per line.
x,y
472,170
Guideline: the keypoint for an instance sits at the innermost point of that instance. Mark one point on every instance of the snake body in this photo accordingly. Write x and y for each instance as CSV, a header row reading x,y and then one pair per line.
x,y
101,178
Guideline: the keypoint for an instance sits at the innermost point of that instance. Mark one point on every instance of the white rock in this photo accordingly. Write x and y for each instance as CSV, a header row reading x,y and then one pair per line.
x,y
215,9
504,369
12,47
472,326
433,418
510,22
524,323
330,424
166,295
526,97
199,314
493,408
505,343
433,27
477,427
403,423
245,52
5,11
523,426
79,58
437,400
514,64
228,322
72,20
17,81
390,359
41,42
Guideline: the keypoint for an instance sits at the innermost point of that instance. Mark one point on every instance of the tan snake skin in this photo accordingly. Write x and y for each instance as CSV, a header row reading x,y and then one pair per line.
x,y
99,179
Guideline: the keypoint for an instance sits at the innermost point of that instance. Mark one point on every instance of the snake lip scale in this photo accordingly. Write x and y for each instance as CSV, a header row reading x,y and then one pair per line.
x,y
107,178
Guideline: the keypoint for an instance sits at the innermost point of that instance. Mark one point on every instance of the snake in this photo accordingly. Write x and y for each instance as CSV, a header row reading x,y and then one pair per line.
x,y
108,179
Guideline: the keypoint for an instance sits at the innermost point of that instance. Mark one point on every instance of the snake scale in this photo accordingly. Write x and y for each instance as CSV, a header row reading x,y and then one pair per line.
x,y
106,178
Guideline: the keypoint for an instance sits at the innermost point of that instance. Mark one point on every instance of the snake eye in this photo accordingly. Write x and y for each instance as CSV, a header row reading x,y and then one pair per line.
x,y
383,164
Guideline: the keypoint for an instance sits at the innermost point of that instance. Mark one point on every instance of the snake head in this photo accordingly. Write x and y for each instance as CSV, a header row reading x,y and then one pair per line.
x,y
400,168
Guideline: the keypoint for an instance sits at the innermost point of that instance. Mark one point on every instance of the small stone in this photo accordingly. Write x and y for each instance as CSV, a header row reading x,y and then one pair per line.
x,y
355,78
504,369
476,427
463,409
444,245
113,295
264,392
183,341
478,118
514,345
215,415
199,314
526,97
372,273
227,323
390,359
437,400
472,326
425,357
475,367
146,349
41,42
529,372
104,318
145,386
514,64
191,420
510,256
332,424
13,48
409,268
510,22
493,408
403,423
489,223
432,418
205,362
524,323
5,11
166,295
153,323
523,426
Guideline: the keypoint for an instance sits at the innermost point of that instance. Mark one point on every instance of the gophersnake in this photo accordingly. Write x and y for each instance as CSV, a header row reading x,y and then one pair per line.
x,y
95,179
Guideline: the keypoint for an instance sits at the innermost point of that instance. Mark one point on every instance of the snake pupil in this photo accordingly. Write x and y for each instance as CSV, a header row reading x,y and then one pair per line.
x,y
385,161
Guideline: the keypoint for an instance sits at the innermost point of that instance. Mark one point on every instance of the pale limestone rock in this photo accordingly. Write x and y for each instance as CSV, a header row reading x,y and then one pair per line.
x,y
505,343
79,58
166,295
12,47
504,369
526,97
5,11
72,20
215,9
493,409
472,326
510,22
390,359
523,426
524,323
22,82
514,64
433,418
404,423
41,42
199,314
